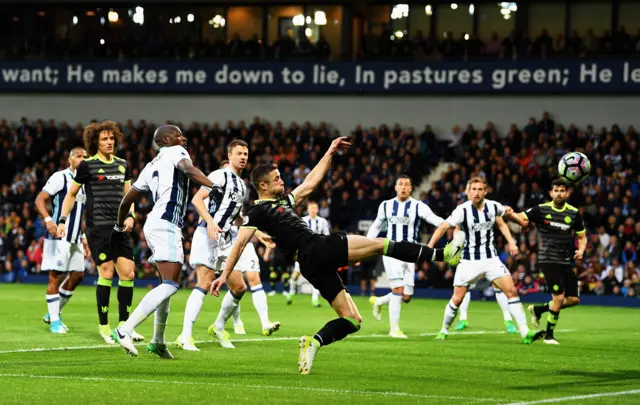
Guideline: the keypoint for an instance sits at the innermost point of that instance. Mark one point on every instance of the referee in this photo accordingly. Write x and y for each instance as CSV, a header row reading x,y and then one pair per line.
x,y
556,222
106,179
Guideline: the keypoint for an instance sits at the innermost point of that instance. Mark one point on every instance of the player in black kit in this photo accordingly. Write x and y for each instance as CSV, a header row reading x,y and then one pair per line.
x,y
557,222
319,256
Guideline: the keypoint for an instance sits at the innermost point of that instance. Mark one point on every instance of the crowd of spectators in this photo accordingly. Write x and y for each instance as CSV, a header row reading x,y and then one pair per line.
x,y
519,166
146,43
516,46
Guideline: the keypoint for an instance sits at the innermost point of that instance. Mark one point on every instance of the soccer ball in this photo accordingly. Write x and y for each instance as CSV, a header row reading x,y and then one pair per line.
x,y
574,167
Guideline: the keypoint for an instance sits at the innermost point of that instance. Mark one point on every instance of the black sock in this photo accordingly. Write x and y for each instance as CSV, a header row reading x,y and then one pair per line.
x,y
125,298
103,293
540,309
411,252
552,321
335,330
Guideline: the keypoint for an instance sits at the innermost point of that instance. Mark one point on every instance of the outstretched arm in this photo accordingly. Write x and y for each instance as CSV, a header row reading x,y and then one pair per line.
x,y
244,236
316,175
439,233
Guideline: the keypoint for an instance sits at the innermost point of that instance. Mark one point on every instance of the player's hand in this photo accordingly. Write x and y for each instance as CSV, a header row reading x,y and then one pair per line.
x,y
52,228
62,231
513,249
128,224
216,285
508,211
338,144
266,240
213,230
579,254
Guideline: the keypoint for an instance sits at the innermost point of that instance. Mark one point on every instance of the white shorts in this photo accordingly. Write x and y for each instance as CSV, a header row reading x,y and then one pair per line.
x,y
400,274
213,255
165,241
469,271
61,255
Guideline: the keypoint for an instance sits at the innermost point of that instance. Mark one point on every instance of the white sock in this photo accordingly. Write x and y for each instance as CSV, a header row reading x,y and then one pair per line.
x,y
53,306
395,305
517,311
504,305
160,321
384,299
292,287
194,305
464,307
65,296
315,295
450,313
229,304
149,303
235,316
260,303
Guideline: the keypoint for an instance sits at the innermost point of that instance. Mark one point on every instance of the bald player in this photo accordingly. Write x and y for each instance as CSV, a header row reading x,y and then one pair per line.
x,y
166,178
62,256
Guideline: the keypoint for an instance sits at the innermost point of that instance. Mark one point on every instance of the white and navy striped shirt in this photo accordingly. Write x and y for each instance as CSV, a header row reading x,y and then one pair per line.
x,y
229,193
402,219
477,225
168,185
317,224
57,187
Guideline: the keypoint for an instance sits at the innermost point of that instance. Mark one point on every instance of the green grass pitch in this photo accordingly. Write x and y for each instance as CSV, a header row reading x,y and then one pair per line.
x,y
598,361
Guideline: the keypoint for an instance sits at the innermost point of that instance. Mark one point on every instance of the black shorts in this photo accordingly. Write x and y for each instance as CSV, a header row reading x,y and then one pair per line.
x,y
320,261
98,238
560,278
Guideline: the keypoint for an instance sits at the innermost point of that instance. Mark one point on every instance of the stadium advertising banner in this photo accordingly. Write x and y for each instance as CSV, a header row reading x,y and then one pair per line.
x,y
601,77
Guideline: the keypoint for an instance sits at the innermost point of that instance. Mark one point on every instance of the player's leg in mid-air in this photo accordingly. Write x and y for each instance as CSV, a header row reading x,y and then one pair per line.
x,y
320,269
563,283
401,280
165,240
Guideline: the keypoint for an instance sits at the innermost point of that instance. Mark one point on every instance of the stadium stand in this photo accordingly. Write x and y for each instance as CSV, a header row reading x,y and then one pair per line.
x,y
519,166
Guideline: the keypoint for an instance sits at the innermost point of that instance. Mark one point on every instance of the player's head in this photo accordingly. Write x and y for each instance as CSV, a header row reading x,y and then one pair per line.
x,y
312,209
238,154
403,187
559,192
76,156
477,187
168,135
224,164
102,137
267,180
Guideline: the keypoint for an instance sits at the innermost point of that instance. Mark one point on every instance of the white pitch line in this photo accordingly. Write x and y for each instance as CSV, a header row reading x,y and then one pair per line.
x,y
576,397
252,386
268,339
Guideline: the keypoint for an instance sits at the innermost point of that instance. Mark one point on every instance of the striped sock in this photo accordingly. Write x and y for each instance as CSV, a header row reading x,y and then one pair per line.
x,y
450,312
259,299
517,312
194,305
65,296
53,306
335,330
